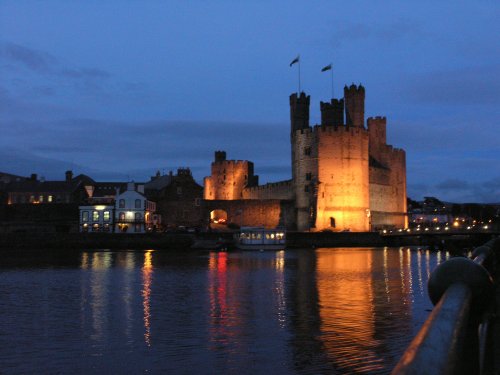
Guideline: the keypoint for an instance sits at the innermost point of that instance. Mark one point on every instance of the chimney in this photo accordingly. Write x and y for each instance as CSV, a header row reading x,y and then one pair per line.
x,y
69,176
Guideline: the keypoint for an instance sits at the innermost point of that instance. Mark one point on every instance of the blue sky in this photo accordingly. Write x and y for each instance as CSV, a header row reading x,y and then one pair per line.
x,y
120,89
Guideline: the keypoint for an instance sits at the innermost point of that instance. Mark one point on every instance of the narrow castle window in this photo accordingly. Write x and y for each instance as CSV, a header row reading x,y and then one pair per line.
x,y
307,151
308,176
332,222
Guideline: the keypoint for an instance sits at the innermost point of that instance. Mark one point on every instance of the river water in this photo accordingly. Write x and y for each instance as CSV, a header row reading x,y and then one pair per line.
x,y
332,310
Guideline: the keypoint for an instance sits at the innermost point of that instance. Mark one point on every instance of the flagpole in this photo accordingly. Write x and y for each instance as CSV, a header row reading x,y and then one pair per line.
x,y
299,76
331,71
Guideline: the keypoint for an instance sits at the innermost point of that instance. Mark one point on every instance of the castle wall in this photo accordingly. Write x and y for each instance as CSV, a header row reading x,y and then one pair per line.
x,y
305,176
343,192
275,190
269,213
387,179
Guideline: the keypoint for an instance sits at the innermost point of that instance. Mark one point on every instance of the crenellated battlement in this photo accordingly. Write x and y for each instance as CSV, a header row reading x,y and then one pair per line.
x,y
338,129
299,111
354,97
270,185
377,118
354,88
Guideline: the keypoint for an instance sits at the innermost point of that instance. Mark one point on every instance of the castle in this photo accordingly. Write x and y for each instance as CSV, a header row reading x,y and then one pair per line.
x,y
344,175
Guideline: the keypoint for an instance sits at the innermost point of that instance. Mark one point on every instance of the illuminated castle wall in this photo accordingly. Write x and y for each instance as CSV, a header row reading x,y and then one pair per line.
x,y
344,175
229,178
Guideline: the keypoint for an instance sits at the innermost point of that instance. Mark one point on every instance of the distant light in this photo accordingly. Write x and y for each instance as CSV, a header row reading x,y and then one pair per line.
x,y
468,227
426,229
447,228
400,230
438,228
485,227
418,229
384,231
99,208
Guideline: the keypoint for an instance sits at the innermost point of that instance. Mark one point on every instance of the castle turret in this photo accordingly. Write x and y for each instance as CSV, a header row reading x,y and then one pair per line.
x,y
220,156
378,138
354,97
332,114
299,111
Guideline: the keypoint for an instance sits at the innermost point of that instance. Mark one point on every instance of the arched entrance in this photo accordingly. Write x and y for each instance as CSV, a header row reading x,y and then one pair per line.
x,y
218,217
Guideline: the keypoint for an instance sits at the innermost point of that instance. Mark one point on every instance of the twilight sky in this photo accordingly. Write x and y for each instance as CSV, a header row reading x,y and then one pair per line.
x,y
120,89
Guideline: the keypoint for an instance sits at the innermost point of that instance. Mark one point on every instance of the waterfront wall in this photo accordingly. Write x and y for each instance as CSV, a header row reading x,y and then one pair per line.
x,y
334,239
93,241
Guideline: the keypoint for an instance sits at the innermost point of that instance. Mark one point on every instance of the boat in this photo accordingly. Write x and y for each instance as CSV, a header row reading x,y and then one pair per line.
x,y
260,238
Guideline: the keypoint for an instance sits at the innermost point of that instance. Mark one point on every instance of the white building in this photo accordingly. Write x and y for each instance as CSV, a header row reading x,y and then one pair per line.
x,y
133,212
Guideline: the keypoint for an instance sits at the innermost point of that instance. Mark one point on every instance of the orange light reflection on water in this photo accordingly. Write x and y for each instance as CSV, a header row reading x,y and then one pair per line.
x,y
147,273
350,296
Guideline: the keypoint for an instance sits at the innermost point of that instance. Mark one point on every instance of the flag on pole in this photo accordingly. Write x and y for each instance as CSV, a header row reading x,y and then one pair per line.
x,y
295,60
328,67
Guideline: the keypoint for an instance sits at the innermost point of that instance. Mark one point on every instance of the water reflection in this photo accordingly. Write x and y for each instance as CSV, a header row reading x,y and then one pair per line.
x,y
147,273
305,311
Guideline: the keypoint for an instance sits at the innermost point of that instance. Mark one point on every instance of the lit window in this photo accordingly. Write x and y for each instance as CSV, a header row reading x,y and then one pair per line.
x,y
121,203
122,216
85,216
49,199
106,216
95,216
137,203
40,199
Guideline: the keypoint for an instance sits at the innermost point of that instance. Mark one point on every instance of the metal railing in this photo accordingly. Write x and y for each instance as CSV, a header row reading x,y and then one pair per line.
x,y
454,337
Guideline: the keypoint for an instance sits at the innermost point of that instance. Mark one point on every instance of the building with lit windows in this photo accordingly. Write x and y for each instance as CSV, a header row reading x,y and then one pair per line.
x,y
128,211
134,213
96,218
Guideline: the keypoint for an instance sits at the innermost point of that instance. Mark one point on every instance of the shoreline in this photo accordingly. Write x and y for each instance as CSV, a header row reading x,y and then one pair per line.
x,y
207,241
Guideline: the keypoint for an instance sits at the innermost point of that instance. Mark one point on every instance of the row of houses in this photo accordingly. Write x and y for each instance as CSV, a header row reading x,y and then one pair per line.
x,y
79,203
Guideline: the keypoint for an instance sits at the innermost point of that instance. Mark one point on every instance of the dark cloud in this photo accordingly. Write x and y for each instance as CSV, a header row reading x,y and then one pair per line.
x,y
453,184
38,61
473,85
85,73
387,32
125,147
459,191
43,62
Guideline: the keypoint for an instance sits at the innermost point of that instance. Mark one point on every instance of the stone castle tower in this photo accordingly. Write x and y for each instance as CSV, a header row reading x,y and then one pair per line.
x,y
344,175
330,165
229,178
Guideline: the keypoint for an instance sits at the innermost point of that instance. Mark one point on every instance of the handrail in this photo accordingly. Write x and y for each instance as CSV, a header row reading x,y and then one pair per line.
x,y
458,288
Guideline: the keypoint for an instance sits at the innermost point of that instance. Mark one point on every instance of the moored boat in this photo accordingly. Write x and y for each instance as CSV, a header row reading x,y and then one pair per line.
x,y
260,238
